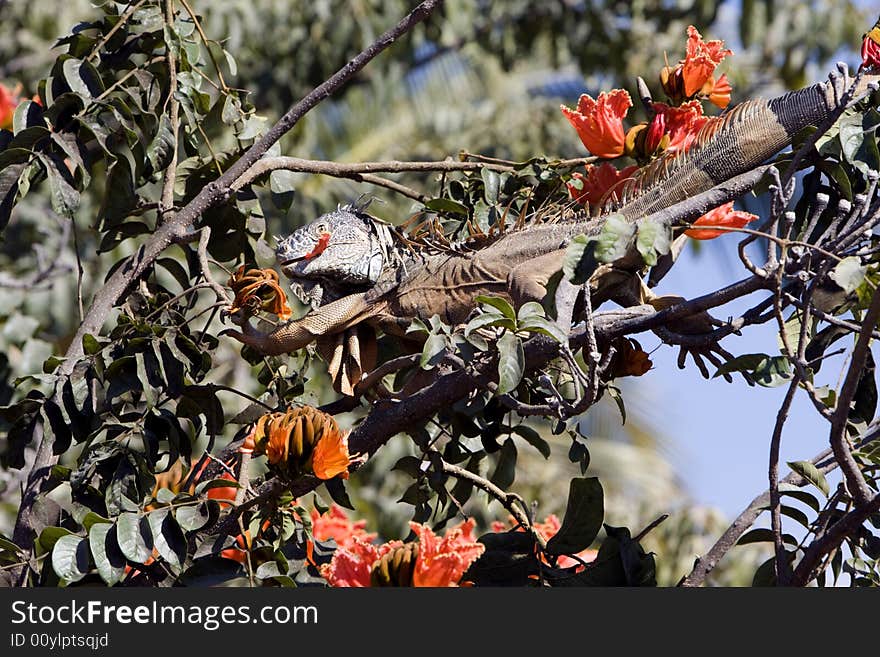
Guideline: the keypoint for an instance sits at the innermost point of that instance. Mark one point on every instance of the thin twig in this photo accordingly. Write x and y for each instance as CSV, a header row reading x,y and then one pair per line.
x,y
508,500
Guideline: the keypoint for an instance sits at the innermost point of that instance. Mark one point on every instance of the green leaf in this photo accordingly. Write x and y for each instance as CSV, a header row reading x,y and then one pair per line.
x,y
579,262
91,346
809,472
511,363
165,496
500,304
446,205
491,185
584,513
763,535
161,150
134,537
533,438
231,113
168,537
768,371
849,273
536,324
837,174
614,239
432,352
800,495
282,185
106,553
653,239
488,319
204,486
82,78
505,469
195,516
28,114
70,558
50,535
65,197
336,488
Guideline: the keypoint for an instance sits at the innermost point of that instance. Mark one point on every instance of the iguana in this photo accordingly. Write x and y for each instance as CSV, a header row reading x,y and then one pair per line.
x,y
355,271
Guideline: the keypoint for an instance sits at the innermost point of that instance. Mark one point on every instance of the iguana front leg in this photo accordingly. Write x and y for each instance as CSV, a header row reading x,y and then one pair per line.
x,y
327,320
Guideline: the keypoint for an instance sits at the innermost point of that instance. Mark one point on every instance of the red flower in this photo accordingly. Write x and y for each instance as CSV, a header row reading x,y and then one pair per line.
x,y
871,47
682,123
443,562
440,562
723,215
336,525
352,565
599,123
598,181
656,131
331,457
718,91
8,102
700,60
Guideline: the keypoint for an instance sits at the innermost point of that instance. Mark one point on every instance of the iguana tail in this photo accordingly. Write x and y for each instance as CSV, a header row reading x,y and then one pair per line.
x,y
728,145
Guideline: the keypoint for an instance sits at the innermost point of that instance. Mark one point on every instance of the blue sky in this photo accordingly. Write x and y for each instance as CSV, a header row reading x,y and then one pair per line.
x,y
721,431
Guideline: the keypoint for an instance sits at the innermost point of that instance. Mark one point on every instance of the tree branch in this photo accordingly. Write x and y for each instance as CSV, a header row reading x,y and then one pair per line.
x,y
216,192
855,481
824,462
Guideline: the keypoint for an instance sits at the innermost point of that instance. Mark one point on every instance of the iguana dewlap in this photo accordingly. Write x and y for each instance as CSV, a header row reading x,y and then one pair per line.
x,y
356,272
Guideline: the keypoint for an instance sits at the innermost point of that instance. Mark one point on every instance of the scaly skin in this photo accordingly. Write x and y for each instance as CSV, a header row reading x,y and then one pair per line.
x,y
352,270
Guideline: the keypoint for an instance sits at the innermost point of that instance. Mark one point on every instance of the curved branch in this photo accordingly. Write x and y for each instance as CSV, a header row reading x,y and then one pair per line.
x,y
352,170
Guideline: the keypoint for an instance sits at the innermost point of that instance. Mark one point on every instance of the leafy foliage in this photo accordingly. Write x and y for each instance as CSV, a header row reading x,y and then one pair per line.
x,y
138,112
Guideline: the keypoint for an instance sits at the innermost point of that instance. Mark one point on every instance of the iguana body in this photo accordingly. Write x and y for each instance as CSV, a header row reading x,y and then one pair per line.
x,y
356,274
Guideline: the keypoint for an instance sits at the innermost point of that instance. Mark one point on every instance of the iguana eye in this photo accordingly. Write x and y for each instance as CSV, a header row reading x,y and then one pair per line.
x,y
321,228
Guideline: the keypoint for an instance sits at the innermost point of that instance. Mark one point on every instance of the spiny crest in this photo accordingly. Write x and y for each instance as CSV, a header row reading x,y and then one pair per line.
x,y
664,167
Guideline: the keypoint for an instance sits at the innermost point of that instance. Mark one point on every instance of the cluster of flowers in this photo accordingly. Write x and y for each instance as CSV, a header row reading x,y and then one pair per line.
x,y
672,129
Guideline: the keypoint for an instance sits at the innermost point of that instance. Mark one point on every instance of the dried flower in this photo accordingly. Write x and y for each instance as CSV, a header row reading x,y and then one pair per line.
x,y
258,289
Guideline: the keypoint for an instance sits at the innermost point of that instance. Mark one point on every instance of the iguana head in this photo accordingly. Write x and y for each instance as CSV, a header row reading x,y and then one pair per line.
x,y
340,250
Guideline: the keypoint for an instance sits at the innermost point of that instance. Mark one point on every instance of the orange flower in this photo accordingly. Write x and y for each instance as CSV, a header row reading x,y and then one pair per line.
x,y
331,457
258,289
655,134
598,182
440,562
271,436
352,565
336,525
723,215
302,440
682,123
8,102
443,562
700,60
224,494
718,91
599,123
